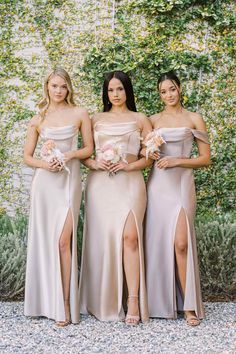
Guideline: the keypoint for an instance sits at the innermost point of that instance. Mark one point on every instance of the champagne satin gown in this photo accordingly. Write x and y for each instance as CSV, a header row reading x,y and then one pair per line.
x,y
52,196
108,202
170,191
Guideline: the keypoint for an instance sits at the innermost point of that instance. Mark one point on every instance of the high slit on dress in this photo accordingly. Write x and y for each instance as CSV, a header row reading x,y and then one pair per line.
x,y
169,191
109,200
53,195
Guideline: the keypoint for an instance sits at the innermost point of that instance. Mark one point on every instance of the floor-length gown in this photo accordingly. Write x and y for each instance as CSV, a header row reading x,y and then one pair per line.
x,y
108,202
53,195
169,191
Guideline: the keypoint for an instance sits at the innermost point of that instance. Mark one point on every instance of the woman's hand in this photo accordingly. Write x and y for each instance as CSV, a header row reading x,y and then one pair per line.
x,y
52,166
69,155
167,162
143,152
154,155
120,166
100,165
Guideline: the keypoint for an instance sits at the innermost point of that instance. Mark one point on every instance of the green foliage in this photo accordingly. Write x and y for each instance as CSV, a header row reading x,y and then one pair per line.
x,y
217,256
13,245
146,38
214,184
80,231
12,256
195,38
216,247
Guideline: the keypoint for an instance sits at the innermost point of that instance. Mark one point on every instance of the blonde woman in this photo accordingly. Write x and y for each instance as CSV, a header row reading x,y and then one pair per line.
x,y
51,288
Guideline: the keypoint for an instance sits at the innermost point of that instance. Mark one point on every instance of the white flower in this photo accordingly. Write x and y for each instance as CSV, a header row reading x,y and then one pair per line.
x,y
49,152
110,155
152,142
113,151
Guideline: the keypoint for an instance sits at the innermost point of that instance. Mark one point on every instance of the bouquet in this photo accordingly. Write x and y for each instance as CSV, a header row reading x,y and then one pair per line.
x,y
112,152
152,142
50,152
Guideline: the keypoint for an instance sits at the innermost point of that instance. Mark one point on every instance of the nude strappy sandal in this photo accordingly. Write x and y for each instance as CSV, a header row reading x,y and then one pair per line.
x,y
67,320
192,320
132,320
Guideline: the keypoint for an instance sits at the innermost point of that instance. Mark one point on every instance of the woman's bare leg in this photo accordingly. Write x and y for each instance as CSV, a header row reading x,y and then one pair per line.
x,y
65,259
181,249
131,265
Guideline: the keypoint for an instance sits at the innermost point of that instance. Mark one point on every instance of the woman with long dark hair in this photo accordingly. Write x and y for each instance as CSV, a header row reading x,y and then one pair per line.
x,y
112,272
51,288
173,282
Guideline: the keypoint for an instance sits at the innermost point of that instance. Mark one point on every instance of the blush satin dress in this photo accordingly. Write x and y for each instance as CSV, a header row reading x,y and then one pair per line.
x,y
52,196
169,191
108,202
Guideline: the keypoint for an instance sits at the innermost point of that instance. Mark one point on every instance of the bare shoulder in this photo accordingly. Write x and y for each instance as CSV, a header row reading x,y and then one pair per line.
x,y
140,115
78,115
197,120
35,121
141,119
98,116
80,112
153,118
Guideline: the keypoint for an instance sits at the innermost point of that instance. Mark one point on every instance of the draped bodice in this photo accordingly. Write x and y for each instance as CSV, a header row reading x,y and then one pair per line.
x,y
66,137
179,141
125,133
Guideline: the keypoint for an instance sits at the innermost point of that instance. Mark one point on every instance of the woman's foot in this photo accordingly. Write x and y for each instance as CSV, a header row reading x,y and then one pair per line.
x,y
67,315
191,318
132,318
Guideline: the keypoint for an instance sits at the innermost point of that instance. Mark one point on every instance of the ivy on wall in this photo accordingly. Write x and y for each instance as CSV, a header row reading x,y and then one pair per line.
x,y
195,38
144,38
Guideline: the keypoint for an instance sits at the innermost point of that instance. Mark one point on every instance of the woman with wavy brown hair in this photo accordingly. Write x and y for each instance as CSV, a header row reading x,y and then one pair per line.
x,y
51,288
173,282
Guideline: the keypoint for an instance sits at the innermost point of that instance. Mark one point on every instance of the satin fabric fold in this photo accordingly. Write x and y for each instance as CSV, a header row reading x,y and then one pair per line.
x,y
108,202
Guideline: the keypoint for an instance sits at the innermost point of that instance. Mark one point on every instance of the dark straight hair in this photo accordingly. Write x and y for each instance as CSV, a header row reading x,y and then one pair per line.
x,y
170,75
126,82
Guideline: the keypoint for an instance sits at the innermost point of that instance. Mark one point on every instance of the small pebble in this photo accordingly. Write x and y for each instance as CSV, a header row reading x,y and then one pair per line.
x,y
216,334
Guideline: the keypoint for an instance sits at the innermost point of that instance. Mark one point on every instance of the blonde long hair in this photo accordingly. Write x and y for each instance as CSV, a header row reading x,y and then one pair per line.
x,y
44,103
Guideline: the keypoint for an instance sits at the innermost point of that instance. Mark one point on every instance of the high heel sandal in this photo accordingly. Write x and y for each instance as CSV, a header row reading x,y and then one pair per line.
x,y
67,320
132,320
192,320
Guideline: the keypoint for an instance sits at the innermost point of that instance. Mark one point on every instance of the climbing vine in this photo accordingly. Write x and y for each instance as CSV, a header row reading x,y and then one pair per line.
x,y
194,38
143,38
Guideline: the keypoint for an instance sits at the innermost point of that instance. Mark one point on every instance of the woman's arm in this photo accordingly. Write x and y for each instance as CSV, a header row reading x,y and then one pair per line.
x,y
96,165
152,155
30,145
204,158
146,128
87,138
138,165
90,162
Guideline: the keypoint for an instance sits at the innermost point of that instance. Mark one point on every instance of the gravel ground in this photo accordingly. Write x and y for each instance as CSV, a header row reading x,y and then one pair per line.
x,y
19,334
